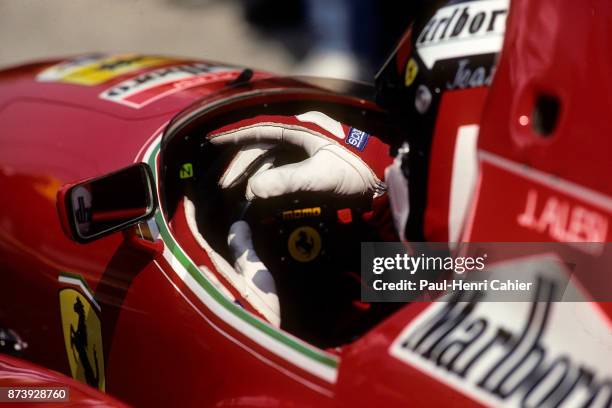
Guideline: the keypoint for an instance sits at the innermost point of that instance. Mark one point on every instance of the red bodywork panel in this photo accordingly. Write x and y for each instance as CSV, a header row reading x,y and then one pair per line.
x,y
159,344
20,375
553,48
167,340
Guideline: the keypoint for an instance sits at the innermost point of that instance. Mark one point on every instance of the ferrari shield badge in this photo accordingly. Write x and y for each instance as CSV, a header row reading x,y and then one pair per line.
x,y
82,334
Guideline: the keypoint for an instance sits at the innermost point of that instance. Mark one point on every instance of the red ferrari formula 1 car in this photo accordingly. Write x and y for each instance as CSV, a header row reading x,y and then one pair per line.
x,y
114,257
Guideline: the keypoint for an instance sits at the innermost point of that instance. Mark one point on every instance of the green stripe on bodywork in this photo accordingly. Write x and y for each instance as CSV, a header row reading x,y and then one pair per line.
x,y
172,245
78,277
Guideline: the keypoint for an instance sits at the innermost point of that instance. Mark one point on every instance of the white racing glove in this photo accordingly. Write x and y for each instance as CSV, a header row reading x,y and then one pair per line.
x,y
337,162
341,160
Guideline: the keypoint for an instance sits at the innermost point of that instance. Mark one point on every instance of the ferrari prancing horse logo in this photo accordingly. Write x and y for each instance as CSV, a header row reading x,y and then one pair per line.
x,y
304,244
82,338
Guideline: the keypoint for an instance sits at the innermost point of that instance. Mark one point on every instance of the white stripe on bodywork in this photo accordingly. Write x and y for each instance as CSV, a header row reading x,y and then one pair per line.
x,y
80,284
282,350
577,191
254,353
465,172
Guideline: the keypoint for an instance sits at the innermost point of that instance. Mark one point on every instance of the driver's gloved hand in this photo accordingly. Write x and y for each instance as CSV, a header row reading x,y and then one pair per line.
x,y
341,159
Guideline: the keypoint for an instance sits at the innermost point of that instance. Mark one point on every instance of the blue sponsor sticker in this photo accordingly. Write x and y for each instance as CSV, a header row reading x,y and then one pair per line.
x,y
357,138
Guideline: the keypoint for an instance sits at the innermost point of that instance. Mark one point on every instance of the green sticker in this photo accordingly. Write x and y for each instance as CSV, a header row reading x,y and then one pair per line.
x,y
186,171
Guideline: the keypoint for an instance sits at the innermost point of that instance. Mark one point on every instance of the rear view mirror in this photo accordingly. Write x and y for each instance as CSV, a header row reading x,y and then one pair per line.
x,y
97,207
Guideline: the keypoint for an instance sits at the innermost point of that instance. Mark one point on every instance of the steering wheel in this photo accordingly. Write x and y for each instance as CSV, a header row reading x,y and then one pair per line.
x,y
309,231
309,242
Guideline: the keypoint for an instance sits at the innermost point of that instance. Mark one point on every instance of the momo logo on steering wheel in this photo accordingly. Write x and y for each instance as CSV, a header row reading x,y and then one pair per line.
x,y
304,244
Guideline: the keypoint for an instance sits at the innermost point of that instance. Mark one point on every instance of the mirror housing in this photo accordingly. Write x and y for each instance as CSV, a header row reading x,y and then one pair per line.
x,y
93,208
